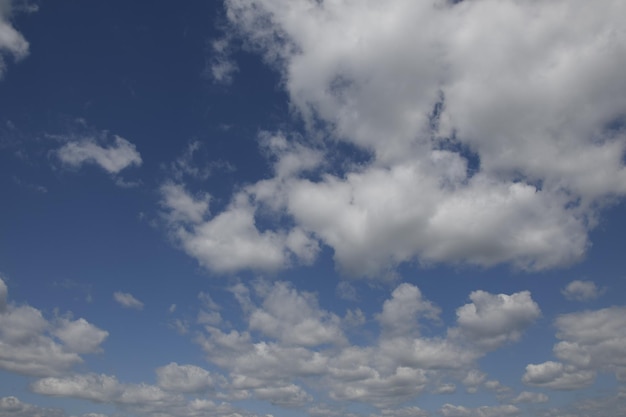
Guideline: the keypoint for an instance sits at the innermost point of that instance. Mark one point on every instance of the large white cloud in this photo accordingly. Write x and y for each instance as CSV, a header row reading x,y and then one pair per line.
x,y
30,344
484,149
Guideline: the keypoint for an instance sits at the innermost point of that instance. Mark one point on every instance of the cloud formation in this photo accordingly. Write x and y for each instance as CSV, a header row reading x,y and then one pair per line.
x,y
113,157
288,337
127,300
479,149
591,342
12,42
581,291
36,346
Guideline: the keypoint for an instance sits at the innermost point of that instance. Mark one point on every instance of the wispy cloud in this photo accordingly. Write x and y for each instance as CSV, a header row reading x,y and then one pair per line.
x,y
127,300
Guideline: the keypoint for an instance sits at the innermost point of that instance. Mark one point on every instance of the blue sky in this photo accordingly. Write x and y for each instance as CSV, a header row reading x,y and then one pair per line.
x,y
297,208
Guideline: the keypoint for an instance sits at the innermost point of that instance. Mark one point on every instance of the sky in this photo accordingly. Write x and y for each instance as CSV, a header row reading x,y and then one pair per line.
x,y
329,208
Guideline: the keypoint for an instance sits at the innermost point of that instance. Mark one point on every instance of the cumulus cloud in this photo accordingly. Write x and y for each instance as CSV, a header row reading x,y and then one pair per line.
x,y
13,407
127,300
491,320
591,341
294,318
461,133
34,345
288,337
557,376
230,241
581,291
143,399
184,378
113,155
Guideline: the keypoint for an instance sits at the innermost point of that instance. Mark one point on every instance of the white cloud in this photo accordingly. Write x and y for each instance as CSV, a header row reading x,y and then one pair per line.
x,y
449,410
93,387
184,378
403,412
491,320
530,397
3,296
289,338
222,67
141,399
80,335
400,313
127,300
556,375
231,241
12,42
287,396
182,206
33,345
13,407
591,341
112,157
294,318
581,291
473,181
473,380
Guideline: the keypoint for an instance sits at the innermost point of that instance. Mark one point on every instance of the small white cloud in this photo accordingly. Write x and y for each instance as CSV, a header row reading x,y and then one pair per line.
x,y
530,397
12,42
221,66
112,157
127,300
449,410
445,389
581,291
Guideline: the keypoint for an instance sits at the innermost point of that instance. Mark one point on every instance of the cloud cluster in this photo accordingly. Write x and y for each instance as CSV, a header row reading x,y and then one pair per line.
x,y
591,341
291,347
36,346
137,398
482,149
